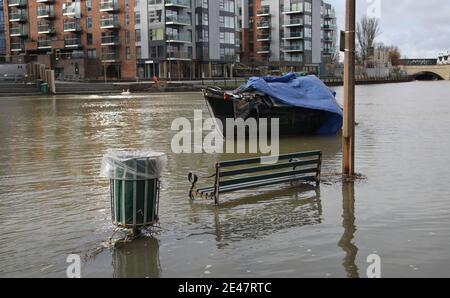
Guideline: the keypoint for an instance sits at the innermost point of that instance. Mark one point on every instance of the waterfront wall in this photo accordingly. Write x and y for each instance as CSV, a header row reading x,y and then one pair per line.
x,y
12,71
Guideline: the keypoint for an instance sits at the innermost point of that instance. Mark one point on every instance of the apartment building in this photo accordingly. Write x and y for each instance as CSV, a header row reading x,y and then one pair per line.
x,y
80,39
2,33
185,39
288,34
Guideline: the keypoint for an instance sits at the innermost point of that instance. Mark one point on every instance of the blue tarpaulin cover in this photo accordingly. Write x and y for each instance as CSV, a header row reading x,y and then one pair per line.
x,y
301,91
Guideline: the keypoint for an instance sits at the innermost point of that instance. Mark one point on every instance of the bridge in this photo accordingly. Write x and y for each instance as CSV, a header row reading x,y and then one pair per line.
x,y
425,68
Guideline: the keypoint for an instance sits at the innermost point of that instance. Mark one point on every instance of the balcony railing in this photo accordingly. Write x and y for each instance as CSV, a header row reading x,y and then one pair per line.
x,y
293,48
44,43
17,46
263,37
294,22
264,11
329,26
69,10
111,39
178,55
109,23
46,28
109,5
263,49
110,56
20,15
178,3
72,41
17,3
72,26
293,35
294,8
179,37
178,19
18,31
329,50
45,11
263,24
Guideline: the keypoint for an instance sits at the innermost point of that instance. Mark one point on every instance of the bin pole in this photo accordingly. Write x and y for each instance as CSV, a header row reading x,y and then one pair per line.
x,y
349,90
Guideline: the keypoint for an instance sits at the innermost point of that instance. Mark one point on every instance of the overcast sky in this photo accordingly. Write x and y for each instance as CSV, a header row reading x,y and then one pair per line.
x,y
421,29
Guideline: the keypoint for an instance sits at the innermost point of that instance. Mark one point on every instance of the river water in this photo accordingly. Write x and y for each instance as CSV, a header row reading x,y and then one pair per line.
x,y
53,202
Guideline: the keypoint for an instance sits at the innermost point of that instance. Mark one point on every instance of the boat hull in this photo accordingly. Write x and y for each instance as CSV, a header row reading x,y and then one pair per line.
x,y
292,120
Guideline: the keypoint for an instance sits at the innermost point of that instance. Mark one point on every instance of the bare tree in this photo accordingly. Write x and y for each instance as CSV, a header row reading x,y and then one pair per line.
x,y
367,31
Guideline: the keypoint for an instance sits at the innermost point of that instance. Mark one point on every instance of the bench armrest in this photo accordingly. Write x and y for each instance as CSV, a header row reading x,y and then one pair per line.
x,y
193,179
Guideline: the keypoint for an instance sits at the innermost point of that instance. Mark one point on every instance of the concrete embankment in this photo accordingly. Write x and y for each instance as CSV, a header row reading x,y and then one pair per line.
x,y
74,88
17,89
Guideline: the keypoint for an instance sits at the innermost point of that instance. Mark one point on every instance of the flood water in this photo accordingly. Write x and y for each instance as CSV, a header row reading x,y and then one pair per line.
x,y
53,202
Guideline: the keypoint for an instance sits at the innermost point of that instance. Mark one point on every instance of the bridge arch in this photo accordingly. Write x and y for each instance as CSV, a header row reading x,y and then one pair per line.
x,y
439,71
427,76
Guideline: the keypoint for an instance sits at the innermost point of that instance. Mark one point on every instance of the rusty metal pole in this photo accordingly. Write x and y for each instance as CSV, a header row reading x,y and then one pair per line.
x,y
349,89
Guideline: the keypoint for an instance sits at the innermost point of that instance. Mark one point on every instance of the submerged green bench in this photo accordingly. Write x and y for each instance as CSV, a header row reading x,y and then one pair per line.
x,y
251,173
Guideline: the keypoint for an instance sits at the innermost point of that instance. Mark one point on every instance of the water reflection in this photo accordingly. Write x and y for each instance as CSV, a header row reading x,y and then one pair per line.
x,y
348,223
263,214
137,259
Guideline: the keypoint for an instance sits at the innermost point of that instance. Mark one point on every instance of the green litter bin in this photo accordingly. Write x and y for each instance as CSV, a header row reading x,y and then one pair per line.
x,y
134,186
44,88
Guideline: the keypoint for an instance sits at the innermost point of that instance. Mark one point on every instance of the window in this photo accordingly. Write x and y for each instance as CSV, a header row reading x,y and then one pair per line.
x,y
128,53
88,22
92,53
88,5
89,38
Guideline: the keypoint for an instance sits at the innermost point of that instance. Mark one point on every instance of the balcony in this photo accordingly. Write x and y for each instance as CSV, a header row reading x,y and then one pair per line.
x,y
178,3
294,58
44,12
44,44
72,42
75,54
19,16
109,23
294,22
329,27
45,1
46,28
110,57
294,9
329,51
328,39
17,46
20,31
263,12
71,26
109,6
293,35
180,37
263,25
263,50
293,48
178,20
69,10
178,55
17,3
263,37
329,15
110,40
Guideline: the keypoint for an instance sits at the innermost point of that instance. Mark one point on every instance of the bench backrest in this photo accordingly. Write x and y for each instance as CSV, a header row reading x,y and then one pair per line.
x,y
305,165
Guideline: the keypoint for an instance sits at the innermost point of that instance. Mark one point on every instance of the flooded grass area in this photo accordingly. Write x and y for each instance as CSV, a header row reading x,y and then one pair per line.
x,y
53,202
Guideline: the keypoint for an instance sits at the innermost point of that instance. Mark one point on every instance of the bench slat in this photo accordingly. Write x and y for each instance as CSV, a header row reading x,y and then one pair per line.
x,y
268,176
271,167
258,159
242,186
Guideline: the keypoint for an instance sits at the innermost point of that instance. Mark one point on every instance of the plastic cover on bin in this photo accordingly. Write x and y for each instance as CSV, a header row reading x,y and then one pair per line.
x,y
133,165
